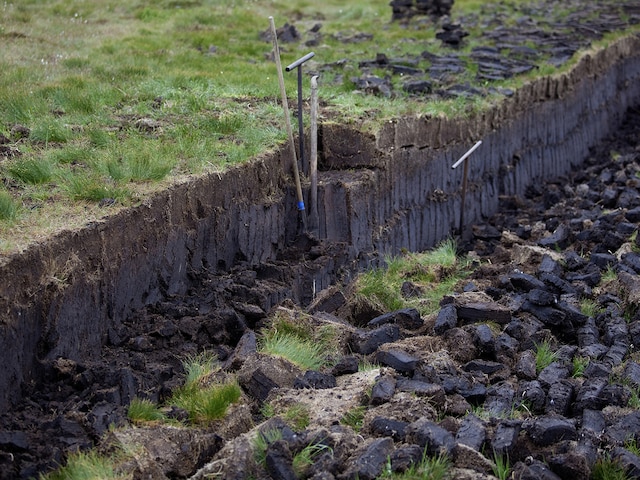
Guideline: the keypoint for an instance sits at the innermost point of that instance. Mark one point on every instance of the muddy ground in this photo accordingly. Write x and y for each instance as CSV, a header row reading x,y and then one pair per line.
x,y
71,405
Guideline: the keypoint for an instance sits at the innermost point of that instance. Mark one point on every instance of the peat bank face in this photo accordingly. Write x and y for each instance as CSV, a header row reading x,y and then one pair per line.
x,y
377,194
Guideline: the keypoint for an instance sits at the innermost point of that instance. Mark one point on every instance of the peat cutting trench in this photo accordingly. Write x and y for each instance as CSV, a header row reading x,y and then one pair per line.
x,y
95,317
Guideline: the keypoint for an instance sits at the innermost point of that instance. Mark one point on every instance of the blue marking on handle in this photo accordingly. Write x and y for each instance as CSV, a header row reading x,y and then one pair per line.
x,y
301,206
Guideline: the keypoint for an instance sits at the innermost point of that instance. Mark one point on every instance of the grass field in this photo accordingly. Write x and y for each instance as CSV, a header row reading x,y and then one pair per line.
x,y
102,103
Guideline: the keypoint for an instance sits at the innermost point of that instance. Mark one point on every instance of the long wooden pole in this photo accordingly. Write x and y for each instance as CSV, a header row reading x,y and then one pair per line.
x,y
287,120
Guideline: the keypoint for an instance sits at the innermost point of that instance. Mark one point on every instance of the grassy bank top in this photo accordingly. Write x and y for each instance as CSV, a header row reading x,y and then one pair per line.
x,y
103,103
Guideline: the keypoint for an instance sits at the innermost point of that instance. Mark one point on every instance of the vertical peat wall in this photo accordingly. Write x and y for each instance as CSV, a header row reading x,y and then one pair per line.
x,y
378,194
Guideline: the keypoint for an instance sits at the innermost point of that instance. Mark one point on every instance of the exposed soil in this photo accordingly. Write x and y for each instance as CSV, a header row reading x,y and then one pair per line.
x,y
538,258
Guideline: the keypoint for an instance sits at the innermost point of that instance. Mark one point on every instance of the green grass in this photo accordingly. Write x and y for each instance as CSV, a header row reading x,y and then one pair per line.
x,y
307,456
590,307
436,272
261,442
205,404
86,466
579,364
545,356
32,171
143,93
8,207
432,468
142,410
634,400
303,353
204,399
354,418
296,339
298,416
501,466
607,469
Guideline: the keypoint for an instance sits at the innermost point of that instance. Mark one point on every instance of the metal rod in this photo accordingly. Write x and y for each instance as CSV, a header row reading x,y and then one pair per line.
x,y
464,194
300,61
313,160
465,172
464,157
287,120
298,64
303,163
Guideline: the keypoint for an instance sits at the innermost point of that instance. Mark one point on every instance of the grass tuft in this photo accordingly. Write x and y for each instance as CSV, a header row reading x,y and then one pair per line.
x,y
545,356
142,410
607,469
433,468
501,466
8,207
205,404
202,400
435,273
32,171
579,365
354,418
301,352
86,466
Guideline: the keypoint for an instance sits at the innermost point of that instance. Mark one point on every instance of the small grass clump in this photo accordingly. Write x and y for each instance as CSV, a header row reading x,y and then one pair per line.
x,y
292,336
86,466
501,466
32,171
201,398
205,404
590,307
432,468
607,469
545,356
142,410
261,442
307,457
8,207
579,364
298,416
634,400
301,352
354,417
434,274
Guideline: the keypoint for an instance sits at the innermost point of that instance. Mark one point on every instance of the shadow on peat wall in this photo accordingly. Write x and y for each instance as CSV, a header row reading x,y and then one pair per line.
x,y
377,194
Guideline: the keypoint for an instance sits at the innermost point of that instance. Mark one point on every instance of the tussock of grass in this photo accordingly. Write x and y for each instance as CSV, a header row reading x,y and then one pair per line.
x,y
579,365
433,468
142,410
307,456
32,170
301,352
545,356
201,398
354,418
261,442
607,469
435,272
205,404
590,307
86,466
8,207
501,466
294,336
298,416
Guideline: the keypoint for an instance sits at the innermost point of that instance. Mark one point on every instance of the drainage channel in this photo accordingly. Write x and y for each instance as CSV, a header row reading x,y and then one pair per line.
x,y
377,196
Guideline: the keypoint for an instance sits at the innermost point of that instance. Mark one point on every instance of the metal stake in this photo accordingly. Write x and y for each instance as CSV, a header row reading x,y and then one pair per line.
x,y
464,181
313,161
298,64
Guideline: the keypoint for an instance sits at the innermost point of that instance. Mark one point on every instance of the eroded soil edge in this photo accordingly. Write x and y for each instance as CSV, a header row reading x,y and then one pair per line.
x,y
378,194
